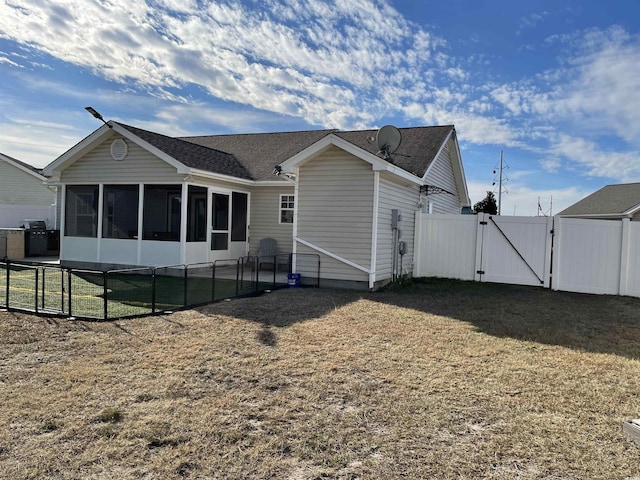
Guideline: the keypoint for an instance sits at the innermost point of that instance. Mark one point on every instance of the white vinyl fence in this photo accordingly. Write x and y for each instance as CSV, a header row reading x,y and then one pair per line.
x,y
590,256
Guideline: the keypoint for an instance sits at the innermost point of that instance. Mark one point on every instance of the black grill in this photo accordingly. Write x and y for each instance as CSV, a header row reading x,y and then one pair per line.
x,y
35,238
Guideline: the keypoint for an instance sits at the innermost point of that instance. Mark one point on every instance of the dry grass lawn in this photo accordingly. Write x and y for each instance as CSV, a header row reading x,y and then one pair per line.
x,y
444,379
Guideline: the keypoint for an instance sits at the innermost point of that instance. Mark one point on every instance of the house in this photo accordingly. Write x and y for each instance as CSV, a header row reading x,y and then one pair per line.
x,y
24,194
135,197
612,202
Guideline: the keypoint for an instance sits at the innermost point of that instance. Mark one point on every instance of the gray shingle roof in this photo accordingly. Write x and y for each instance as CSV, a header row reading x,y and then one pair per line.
x,y
254,156
259,153
417,149
193,155
609,200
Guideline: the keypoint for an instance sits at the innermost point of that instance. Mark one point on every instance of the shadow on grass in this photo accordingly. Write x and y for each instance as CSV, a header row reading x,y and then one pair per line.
x,y
594,323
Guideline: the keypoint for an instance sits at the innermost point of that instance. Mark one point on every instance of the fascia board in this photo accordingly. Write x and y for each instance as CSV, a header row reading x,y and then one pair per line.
x,y
179,166
632,211
321,145
74,152
218,176
23,168
457,167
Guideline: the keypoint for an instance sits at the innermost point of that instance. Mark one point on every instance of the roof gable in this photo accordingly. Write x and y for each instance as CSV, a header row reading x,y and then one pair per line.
x,y
25,167
611,200
259,153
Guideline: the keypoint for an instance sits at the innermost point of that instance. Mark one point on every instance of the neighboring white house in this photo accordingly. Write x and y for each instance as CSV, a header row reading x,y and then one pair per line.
x,y
24,194
611,202
134,197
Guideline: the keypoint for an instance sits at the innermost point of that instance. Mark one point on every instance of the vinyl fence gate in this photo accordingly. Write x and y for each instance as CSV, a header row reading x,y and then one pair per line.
x,y
485,248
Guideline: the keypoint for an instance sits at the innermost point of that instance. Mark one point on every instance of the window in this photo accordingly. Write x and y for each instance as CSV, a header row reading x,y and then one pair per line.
x,y
286,208
162,212
120,211
197,219
81,211
239,206
220,221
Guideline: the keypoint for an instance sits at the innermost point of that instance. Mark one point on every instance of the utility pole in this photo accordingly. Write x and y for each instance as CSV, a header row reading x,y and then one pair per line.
x,y
501,180
500,186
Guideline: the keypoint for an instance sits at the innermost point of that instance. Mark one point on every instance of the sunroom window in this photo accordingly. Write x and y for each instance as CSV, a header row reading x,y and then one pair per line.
x,y
81,211
120,211
162,212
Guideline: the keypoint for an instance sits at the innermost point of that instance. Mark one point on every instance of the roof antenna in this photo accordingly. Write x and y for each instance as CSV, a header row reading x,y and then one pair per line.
x,y
97,115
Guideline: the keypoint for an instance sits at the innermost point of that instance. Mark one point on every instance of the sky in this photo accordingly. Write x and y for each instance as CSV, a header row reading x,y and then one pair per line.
x,y
553,85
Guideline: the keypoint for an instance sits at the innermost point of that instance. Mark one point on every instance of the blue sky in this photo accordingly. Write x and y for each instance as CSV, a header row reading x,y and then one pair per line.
x,y
553,84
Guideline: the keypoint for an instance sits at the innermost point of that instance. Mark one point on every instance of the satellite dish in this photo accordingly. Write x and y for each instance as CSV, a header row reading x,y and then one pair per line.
x,y
388,140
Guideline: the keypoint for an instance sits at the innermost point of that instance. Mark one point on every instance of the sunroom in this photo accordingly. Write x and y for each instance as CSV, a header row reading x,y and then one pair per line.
x,y
153,224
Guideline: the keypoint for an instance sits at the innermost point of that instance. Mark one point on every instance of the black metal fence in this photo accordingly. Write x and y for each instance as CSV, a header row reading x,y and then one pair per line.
x,y
106,295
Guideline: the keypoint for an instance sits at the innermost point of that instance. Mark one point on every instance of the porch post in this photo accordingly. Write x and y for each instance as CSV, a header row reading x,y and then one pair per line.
x,y
140,222
183,223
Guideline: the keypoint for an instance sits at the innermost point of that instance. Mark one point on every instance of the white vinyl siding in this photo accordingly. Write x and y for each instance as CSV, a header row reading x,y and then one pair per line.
x,y
335,210
18,187
394,195
139,165
265,211
441,175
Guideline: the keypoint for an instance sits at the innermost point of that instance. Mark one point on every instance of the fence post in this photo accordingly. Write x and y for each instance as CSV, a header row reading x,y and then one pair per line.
x,y
213,281
44,285
237,276
186,268
35,290
69,272
275,266
62,290
256,268
153,290
7,292
105,275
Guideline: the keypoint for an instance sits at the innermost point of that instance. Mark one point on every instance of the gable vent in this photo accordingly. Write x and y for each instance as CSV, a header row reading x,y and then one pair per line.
x,y
119,149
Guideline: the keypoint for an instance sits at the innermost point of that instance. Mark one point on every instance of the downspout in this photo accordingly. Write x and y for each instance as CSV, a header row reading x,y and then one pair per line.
x,y
374,229
296,203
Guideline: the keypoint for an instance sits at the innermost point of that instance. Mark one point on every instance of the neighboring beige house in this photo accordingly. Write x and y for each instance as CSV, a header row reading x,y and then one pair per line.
x,y
24,194
611,202
134,197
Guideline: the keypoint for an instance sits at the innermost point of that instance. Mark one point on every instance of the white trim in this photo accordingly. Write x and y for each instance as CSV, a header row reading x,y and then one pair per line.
x,y
456,166
219,176
22,168
63,219
296,190
179,166
374,228
333,255
324,143
184,213
99,226
140,221
433,160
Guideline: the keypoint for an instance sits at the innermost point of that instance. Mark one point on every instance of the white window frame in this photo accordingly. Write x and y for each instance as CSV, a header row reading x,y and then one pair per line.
x,y
290,201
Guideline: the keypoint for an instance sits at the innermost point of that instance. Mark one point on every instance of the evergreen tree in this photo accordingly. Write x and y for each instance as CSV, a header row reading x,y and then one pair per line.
x,y
487,205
